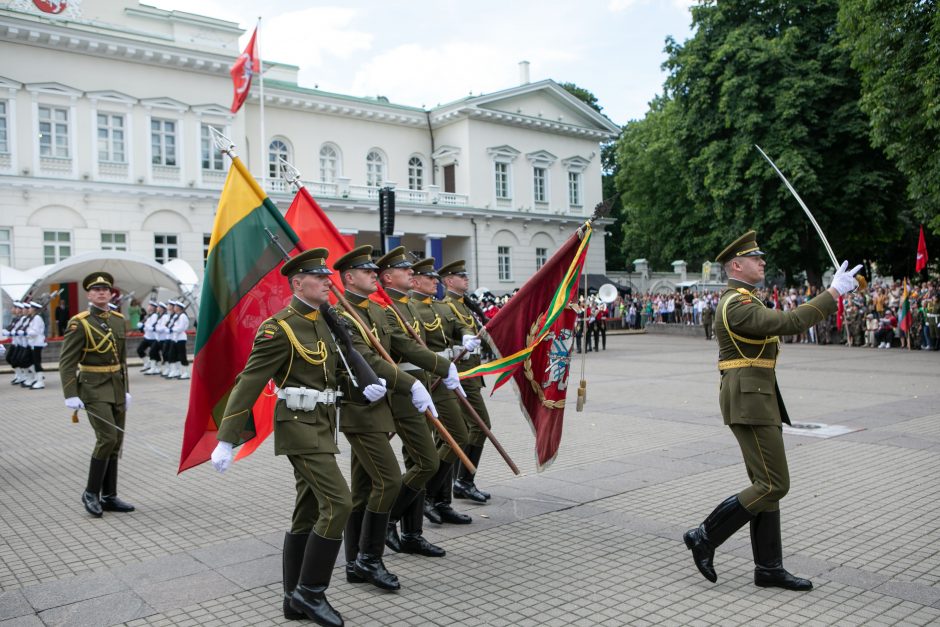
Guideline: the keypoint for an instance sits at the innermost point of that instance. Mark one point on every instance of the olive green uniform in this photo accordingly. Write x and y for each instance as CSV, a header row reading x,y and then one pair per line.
x,y
747,334
93,367
473,386
418,448
441,326
295,348
375,474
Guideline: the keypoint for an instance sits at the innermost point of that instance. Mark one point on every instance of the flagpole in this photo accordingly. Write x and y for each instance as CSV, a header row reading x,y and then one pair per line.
x,y
264,166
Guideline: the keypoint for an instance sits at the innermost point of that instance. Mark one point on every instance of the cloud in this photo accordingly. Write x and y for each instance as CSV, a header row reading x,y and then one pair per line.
x,y
415,74
307,37
616,6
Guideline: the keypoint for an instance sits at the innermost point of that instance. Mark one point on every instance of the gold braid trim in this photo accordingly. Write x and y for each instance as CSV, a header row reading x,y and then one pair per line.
x,y
434,326
362,330
733,335
314,357
103,345
468,321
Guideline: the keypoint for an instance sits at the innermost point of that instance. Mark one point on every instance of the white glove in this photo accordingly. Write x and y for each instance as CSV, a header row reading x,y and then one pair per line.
x,y
127,401
375,391
421,399
222,456
20,332
452,381
5,333
843,281
471,342
73,402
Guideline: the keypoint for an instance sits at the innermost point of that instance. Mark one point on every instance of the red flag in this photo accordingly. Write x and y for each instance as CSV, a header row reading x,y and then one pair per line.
x,y
840,314
922,258
542,379
776,298
245,67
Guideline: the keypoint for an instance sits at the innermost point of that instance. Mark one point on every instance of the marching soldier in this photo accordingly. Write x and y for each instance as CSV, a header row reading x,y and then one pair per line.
x,y
296,348
418,448
93,370
36,341
180,366
747,334
367,421
441,327
150,335
708,318
9,331
454,276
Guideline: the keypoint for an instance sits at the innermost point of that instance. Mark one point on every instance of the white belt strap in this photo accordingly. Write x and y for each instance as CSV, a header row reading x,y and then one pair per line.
x,y
306,399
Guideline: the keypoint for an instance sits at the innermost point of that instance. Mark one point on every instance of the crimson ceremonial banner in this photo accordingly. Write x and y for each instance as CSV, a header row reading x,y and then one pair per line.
x,y
532,337
245,67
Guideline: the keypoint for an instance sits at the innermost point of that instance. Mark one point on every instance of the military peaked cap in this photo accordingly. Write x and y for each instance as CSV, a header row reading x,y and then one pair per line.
x,y
98,279
311,261
744,246
395,258
454,267
358,258
425,267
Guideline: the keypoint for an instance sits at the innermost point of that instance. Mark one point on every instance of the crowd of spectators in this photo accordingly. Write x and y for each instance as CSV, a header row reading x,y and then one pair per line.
x,y
867,318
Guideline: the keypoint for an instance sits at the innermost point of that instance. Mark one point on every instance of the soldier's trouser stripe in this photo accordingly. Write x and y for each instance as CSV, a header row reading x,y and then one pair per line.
x,y
376,476
320,488
766,462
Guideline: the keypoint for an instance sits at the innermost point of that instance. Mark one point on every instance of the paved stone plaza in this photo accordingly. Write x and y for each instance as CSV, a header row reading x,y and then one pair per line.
x,y
594,540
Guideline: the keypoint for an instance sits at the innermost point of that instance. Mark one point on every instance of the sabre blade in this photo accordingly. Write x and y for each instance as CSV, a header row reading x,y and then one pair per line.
x,y
806,210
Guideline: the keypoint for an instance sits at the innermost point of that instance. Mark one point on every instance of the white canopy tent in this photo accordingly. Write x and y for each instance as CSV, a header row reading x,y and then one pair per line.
x,y
132,273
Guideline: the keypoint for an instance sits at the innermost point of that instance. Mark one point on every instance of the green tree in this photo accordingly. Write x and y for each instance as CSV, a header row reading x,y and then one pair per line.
x,y
773,73
895,46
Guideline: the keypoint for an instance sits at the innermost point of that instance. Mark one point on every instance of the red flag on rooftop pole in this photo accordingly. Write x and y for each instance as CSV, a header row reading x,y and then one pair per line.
x,y
922,258
245,67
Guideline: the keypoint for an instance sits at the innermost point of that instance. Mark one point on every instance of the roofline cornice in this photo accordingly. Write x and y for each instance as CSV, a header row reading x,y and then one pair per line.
x,y
122,46
325,105
471,111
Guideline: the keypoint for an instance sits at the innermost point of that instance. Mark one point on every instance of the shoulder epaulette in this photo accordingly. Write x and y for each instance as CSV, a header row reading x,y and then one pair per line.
x,y
117,313
81,314
283,314
743,291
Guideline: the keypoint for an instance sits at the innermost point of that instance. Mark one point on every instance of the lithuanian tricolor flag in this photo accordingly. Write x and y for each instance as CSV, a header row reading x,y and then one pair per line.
x,y
242,286
905,319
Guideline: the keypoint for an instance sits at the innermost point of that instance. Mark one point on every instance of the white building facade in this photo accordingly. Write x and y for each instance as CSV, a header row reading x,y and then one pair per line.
x,y
105,109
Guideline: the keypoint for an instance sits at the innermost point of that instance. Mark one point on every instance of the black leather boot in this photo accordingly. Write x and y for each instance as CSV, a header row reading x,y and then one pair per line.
x,y
309,596
768,555
351,545
369,565
292,558
442,503
464,486
412,523
109,500
432,488
727,518
95,477
401,505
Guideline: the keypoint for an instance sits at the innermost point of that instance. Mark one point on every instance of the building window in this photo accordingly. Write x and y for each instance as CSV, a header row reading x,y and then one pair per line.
x,y
56,246
504,263
163,142
502,179
538,183
165,247
574,189
113,241
54,132
415,173
277,150
212,157
111,138
329,161
375,169
541,256
4,133
206,238
6,247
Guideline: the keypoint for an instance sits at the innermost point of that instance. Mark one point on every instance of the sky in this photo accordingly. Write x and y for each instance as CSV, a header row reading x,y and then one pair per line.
x,y
424,53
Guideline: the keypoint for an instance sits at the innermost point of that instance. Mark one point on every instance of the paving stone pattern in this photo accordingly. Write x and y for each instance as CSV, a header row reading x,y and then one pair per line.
x,y
593,540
